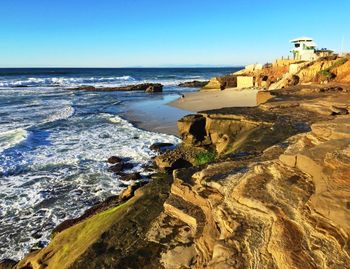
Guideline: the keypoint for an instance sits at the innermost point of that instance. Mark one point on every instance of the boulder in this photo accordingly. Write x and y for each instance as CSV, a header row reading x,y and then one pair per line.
x,y
161,147
229,81
130,177
119,167
116,168
213,83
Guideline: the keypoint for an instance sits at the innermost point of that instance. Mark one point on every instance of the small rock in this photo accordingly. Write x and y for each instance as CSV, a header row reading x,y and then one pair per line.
x,y
7,264
128,166
37,246
161,147
36,235
129,177
119,167
116,168
86,88
122,185
114,160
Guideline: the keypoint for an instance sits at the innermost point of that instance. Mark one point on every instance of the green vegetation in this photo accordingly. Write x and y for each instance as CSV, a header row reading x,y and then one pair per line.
x,y
204,157
338,63
73,241
326,73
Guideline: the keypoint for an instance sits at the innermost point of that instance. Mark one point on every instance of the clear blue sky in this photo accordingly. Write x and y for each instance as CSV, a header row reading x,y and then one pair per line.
x,y
115,33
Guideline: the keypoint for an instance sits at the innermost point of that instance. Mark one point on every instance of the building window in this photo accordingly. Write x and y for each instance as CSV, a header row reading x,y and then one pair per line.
x,y
297,45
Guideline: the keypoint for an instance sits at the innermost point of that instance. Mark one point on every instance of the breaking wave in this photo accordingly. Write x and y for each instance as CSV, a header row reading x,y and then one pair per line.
x,y
11,138
62,81
62,114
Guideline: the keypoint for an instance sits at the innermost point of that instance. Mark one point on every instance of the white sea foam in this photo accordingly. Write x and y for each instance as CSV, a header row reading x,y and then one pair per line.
x,y
67,176
62,114
62,81
11,138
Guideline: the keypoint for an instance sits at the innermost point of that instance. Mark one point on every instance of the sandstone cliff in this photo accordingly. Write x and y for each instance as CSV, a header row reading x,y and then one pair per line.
x,y
277,76
277,195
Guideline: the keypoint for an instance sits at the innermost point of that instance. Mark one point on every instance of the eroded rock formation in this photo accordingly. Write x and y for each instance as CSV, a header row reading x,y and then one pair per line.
x,y
193,84
228,81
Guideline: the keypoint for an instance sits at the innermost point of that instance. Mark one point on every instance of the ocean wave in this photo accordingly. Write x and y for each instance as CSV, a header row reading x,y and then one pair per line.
x,y
61,81
62,114
66,82
11,138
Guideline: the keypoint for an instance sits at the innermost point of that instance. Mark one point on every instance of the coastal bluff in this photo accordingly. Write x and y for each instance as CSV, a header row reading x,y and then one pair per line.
x,y
286,73
276,194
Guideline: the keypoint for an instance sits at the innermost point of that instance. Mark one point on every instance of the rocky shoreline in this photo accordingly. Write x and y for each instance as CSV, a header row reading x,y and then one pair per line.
x,y
258,187
146,87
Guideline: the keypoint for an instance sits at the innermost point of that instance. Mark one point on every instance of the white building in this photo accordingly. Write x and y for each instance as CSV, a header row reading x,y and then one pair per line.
x,y
304,49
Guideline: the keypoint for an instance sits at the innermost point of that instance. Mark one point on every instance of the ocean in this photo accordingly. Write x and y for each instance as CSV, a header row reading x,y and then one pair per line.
x,y
54,143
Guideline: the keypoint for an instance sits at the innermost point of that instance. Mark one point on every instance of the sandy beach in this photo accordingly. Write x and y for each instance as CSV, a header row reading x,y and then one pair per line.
x,y
161,114
215,99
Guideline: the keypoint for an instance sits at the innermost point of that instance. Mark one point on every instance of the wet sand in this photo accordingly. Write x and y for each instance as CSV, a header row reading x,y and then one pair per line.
x,y
155,115
216,99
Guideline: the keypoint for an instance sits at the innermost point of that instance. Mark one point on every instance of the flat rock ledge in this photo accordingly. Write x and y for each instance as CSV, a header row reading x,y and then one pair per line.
x,y
193,84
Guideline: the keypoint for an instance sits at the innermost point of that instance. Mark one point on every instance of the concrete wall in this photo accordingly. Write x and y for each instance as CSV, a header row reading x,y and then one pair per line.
x,y
245,82
253,67
283,62
305,55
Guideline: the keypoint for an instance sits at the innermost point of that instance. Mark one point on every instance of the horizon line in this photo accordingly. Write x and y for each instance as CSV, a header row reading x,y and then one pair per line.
x,y
167,66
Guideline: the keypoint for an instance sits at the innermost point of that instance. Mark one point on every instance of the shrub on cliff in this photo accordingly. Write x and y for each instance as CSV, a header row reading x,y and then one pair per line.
x,y
204,157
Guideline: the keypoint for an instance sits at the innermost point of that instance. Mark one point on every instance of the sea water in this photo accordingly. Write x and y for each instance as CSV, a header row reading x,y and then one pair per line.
x,y
54,143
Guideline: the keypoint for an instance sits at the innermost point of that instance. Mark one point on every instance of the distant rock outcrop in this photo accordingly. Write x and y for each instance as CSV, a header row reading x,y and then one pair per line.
x,y
229,81
147,87
193,84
